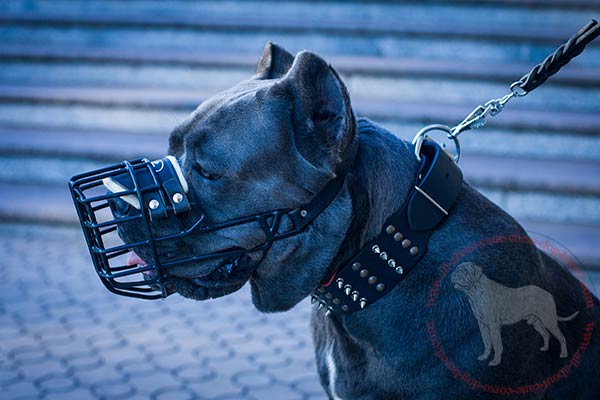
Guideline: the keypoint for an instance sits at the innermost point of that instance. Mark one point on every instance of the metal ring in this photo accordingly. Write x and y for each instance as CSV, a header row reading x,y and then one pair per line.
x,y
420,137
516,88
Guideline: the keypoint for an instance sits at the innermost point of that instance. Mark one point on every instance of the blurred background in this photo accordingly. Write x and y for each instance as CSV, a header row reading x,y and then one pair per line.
x,y
84,83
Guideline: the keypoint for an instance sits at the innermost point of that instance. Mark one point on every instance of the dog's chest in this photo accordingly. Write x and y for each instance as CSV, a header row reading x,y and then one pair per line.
x,y
331,371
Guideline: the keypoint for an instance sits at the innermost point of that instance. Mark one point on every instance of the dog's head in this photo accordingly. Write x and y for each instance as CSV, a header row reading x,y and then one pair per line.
x,y
271,142
466,275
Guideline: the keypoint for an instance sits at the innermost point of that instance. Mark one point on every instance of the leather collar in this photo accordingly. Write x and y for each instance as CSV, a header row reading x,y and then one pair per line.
x,y
385,261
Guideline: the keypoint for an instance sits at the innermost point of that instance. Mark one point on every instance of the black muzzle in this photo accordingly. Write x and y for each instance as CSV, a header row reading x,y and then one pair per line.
x,y
156,194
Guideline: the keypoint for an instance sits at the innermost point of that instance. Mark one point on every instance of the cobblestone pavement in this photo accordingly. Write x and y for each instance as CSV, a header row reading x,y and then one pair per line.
x,y
63,336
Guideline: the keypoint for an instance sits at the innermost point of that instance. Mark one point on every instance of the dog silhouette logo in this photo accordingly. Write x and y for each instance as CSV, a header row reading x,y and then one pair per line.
x,y
494,305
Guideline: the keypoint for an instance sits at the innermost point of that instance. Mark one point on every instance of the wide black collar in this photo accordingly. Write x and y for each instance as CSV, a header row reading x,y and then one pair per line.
x,y
385,261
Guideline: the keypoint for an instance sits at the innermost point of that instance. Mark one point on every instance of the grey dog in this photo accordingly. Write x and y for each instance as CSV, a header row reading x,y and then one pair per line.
x,y
495,305
273,142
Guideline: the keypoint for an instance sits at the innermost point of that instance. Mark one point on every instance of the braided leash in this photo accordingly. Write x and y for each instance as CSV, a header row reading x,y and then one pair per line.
x,y
528,82
561,57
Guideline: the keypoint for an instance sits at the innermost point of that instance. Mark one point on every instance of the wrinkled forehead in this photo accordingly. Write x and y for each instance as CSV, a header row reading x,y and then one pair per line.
x,y
246,118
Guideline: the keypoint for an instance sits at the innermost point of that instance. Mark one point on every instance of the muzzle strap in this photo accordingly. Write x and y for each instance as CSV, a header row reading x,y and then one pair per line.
x,y
160,184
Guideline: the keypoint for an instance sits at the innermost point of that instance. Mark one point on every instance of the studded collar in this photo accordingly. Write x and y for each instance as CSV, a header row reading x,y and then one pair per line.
x,y
385,261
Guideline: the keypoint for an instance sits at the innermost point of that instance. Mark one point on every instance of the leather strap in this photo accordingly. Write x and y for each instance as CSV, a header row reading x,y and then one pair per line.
x,y
306,214
386,260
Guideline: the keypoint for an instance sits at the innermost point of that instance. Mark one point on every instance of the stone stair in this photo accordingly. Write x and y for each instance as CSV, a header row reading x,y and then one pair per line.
x,y
85,83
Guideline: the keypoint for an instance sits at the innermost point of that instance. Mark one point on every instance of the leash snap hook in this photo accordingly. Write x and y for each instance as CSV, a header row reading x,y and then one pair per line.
x,y
421,136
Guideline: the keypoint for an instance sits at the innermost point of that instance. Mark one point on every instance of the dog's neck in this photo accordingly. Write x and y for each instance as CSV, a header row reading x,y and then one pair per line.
x,y
386,168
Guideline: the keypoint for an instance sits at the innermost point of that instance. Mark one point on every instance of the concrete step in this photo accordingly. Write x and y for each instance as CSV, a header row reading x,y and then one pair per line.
x,y
518,118
495,22
42,204
24,64
481,45
73,151
146,124
576,95
35,59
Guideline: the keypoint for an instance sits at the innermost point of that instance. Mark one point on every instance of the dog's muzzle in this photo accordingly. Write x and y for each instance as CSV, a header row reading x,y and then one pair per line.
x,y
153,195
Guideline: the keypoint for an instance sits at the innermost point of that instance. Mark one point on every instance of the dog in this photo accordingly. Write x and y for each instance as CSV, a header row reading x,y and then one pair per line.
x,y
495,305
274,141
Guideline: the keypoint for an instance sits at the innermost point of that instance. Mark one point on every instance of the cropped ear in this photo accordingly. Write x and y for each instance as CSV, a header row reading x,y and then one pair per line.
x,y
274,63
323,121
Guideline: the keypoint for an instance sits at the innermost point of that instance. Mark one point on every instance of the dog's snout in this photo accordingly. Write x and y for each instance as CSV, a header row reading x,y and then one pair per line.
x,y
119,207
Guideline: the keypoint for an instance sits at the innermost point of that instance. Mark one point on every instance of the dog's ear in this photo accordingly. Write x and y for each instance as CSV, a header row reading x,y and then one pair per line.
x,y
323,120
274,63
477,272
474,273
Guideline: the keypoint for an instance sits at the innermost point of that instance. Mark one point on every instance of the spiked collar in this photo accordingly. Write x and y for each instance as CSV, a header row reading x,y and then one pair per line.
x,y
384,262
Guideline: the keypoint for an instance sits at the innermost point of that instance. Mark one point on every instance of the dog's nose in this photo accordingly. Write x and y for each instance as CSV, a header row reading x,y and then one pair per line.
x,y
119,208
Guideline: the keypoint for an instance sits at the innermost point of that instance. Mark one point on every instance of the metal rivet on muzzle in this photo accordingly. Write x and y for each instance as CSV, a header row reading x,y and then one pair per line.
x,y
177,198
153,204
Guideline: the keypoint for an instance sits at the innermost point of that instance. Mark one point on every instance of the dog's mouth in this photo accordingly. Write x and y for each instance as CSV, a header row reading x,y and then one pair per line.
x,y
228,277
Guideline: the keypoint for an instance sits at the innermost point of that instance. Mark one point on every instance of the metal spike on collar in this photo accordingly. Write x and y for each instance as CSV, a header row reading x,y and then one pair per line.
x,y
363,303
355,295
348,290
321,305
313,299
328,312
340,283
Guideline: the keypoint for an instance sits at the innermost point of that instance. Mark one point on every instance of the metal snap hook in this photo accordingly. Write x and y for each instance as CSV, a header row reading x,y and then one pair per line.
x,y
421,135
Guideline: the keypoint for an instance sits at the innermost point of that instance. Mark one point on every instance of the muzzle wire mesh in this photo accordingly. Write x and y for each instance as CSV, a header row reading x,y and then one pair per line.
x,y
100,225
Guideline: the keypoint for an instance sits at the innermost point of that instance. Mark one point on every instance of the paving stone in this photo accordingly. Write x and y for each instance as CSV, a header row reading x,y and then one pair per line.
x,y
9,376
253,379
175,393
23,342
106,372
270,360
136,366
219,386
40,369
20,389
234,365
153,382
276,391
214,354
309,385
28,354
56,383
9,331
58,338
116,389
79,393
83,361
122,354
196,373
106,342
77,341
288,373
283,342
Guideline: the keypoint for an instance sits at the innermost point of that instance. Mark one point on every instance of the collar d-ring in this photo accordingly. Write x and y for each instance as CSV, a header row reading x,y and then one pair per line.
x,y
422,135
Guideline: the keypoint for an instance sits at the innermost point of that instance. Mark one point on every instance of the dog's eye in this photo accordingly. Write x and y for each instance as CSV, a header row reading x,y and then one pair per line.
x,y
204,173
